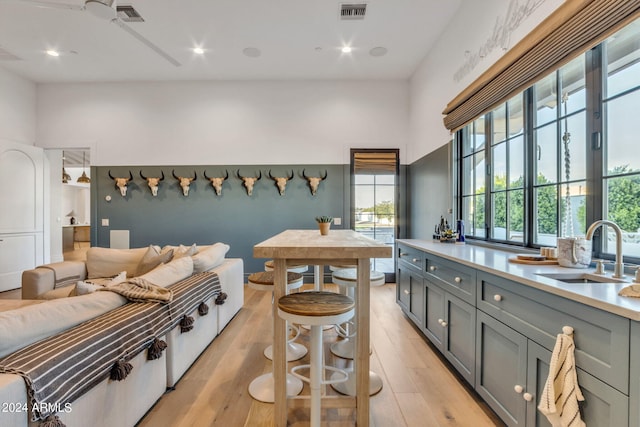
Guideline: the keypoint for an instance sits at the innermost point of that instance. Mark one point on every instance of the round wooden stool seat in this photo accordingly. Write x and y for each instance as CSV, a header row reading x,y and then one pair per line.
x,y
340,267
270,266
349,277
263,280
316,304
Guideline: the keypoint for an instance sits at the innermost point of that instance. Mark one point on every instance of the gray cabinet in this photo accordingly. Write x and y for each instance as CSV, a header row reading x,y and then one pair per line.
x,y
450,325
409,289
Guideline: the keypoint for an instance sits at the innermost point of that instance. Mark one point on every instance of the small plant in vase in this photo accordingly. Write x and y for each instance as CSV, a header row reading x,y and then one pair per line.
x,y
324,223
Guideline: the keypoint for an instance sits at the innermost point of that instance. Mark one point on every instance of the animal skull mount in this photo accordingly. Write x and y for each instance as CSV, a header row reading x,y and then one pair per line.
x,y
217,182
248,181
314,182
281,182
153,183
121,183
185,182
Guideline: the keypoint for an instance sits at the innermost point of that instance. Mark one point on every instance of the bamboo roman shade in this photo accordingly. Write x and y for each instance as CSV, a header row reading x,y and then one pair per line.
x,y
575,27
375,162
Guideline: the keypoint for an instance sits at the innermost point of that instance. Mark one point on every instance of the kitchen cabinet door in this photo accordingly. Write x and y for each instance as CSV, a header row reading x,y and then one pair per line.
x,y
459,340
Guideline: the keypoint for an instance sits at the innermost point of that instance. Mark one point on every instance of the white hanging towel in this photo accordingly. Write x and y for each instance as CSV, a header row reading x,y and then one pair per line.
x,y
559,400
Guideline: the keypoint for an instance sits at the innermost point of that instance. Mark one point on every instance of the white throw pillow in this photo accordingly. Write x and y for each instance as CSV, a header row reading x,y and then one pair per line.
x,y
209,258
183,250
107,262
153,258
171,272
87,287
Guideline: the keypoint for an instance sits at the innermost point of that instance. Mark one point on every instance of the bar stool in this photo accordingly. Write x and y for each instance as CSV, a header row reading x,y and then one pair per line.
x,y
346,279
262,387
269,266
316,308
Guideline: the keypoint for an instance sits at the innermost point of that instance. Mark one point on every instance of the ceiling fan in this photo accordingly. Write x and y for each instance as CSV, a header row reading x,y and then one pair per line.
x,y
108,10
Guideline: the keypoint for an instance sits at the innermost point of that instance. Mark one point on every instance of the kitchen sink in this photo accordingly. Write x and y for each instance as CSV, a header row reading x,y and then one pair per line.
x,y
581,278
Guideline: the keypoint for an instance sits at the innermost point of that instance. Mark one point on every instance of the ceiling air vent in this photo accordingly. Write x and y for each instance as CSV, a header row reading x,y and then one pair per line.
x,y
128,14
350,11
5,55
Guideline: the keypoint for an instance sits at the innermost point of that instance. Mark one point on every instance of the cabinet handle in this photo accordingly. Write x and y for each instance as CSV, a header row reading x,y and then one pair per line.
x,y
458,279
415,260
432,268
440,321
401,254
406,292
518,388
528,397
497,297
444,324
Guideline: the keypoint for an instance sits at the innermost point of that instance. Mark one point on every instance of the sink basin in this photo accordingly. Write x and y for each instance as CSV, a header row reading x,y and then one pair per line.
x,y
581,278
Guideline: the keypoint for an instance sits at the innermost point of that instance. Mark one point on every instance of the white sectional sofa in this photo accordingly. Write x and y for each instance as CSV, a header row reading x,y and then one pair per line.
x,y
110,402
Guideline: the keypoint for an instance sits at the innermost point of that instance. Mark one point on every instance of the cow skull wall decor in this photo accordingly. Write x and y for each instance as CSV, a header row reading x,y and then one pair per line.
x,y
248,181
314,182
217,182
185,182
281,182
153,183
121,183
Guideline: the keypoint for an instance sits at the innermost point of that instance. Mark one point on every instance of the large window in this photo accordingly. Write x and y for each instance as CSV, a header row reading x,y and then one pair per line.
x,y
560,155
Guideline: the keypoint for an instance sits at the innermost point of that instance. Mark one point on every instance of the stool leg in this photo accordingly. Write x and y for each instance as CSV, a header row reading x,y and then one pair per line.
x,y
316,374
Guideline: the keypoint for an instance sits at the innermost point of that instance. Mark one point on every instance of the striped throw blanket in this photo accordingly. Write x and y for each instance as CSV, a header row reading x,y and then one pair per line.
x,y
59,369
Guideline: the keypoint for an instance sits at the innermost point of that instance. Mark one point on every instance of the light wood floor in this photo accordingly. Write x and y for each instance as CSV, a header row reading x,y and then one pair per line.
x,y
419,389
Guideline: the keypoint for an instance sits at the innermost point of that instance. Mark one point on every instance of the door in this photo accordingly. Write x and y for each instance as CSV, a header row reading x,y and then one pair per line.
x,y
374,200
22,225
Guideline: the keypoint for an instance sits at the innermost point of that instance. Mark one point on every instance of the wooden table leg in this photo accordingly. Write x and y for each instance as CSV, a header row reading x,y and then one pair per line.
x,y
279,345
362,343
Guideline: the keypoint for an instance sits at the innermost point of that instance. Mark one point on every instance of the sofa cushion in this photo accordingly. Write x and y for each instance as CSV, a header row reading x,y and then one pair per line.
x,y
209,258
67,291
26,325
171,272
183,250
153,258
108,262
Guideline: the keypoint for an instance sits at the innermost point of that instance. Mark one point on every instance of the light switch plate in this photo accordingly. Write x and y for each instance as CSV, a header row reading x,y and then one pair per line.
x,y
105,222
337,221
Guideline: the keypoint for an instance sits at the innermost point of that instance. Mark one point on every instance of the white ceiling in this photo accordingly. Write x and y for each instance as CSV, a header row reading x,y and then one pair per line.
x,y
298,39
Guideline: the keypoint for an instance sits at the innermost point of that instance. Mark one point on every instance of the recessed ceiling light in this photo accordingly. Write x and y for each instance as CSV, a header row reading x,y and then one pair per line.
x,y
378,51
251,52
198,50
346,49
51,52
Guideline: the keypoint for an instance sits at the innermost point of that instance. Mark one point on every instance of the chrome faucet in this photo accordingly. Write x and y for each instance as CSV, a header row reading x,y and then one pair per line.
x,y
618,269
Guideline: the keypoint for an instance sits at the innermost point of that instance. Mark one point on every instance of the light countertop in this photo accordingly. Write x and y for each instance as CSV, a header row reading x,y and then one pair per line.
x,y
495,261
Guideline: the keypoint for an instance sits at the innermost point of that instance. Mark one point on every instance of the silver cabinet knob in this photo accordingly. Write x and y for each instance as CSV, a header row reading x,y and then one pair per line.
x,y
444,324
497,297
528,397
406,292
458,279
518,388
432,268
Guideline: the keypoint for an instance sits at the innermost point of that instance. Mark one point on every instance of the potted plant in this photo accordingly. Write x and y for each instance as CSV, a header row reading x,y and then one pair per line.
x,y
324,223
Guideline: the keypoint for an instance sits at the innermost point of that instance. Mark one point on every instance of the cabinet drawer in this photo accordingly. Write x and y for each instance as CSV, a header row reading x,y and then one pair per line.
x,y
601,338
454,278
411,256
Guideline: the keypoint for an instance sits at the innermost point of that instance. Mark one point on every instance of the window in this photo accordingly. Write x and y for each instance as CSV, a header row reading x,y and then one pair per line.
x,y
560,155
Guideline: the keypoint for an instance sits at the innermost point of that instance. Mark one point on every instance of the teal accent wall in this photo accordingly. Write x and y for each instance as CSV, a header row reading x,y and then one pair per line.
x,y
204,218
429,193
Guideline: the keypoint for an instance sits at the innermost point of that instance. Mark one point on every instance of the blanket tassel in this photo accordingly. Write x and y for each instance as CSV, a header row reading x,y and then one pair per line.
x,y
52,421
120,370
186,324
221,298
203,309
155,349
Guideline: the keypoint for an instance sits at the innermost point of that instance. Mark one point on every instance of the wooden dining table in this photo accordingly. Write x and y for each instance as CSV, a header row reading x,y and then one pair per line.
x,y
343,247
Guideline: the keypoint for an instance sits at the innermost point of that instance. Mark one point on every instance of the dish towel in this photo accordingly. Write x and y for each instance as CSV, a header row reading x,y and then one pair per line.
x,y
559,400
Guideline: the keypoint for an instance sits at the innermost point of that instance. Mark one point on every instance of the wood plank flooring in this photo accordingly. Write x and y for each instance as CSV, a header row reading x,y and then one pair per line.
x,y
419,389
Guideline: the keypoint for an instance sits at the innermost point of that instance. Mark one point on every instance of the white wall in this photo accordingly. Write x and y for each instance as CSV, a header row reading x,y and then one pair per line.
x,y
472,30
224,122
17,108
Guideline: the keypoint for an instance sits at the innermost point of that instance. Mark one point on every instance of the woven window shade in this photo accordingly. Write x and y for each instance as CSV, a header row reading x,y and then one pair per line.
x,y
379,162
575,27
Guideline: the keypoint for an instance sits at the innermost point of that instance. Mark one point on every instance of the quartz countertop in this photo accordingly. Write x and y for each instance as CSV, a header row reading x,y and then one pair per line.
x,y
496,261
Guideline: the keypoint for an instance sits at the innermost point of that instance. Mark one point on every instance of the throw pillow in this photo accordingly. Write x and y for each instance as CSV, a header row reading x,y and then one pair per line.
x,y
209,258
185,251
171,272
90,286
151,259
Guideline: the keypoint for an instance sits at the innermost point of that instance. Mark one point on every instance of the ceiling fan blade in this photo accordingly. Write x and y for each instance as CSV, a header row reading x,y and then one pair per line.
x,y
146,42
50,5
